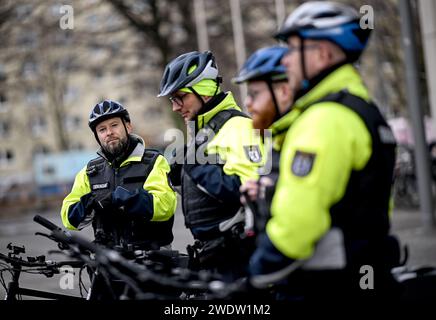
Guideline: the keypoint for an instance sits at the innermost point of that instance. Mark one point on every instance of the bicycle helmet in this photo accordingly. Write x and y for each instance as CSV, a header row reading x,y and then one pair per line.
x,y
105,110
326,20
264,64
176,75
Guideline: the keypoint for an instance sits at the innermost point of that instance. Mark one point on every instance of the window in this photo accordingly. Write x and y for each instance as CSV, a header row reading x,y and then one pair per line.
x,y
5,129
3,102
3,76
38,125
63,65
56,10
97,73
6,157
23,11
120,74
30,69
40,149
34,97
27,40
49,170
71,94
113,22
76,146
72,122
92,22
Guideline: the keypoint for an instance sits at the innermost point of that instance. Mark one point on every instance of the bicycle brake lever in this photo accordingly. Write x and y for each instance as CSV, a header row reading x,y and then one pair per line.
x,y
61,245
43,234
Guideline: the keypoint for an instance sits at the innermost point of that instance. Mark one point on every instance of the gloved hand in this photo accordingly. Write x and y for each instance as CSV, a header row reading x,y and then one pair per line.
x,y
136,203
175,174
120,196
176,163
103,203
89,202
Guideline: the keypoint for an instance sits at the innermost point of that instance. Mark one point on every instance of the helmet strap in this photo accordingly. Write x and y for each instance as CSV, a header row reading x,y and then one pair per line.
x,y
218,81
205,105
276,105
198,96
96,137
305,81
124,125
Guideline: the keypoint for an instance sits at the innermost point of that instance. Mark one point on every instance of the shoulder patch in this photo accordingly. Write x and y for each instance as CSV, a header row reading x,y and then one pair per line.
x,y
253,153
303,163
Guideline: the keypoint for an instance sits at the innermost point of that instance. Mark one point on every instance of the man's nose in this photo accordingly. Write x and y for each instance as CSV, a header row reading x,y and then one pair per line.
x,y
176,107
248,102
286,60
109,131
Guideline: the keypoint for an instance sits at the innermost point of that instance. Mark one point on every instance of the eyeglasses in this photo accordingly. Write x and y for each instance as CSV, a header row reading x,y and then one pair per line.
x,y
292,48
178,99
254,93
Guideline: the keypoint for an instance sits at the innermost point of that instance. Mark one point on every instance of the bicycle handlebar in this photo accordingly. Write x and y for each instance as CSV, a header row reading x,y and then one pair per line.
x,y
46,263
46,223
138,275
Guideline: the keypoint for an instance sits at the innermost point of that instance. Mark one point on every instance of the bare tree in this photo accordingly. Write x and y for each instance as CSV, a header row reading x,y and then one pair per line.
x,y
167,25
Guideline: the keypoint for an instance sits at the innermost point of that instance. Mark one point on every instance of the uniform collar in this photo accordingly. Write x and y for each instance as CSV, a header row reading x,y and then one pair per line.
x,y
135,155
344,77
227,103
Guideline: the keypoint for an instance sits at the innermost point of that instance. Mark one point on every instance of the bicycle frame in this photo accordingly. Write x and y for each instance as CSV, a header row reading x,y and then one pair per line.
x,y
14,289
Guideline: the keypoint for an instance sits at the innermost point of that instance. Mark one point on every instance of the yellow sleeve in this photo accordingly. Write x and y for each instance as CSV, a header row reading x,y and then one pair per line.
x,y
234,143
339,142
80,188
164,197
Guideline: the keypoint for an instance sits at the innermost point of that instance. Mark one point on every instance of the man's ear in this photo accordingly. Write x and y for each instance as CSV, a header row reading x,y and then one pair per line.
x,y
331,53
283,90
325,52
284,96
129,127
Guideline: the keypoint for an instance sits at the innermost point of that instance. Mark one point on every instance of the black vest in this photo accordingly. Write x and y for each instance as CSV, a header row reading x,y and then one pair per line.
x,y
264,201
199,207
118,228
363,213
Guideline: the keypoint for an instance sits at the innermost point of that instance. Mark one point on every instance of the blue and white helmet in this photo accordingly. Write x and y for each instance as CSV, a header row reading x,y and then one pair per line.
x,y
177,73
263,64
105,110
326,20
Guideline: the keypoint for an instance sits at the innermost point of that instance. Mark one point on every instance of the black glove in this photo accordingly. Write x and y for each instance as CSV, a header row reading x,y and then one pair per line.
x,y
176,163
89,202
175,174
104,203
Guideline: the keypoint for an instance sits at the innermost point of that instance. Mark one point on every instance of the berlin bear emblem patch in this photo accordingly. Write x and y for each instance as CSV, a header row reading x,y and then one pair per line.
x,y
302,163
253,153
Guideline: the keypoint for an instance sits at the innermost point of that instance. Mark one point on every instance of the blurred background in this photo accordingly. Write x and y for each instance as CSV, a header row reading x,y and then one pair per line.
x,y
59,58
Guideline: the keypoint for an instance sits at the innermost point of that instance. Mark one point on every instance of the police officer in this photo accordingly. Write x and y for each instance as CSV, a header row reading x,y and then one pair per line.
x,y
125,190
269,97
337,159
223,154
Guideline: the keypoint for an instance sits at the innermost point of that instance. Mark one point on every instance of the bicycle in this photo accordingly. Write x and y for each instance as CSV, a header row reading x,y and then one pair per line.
x,y
143,275
16,265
